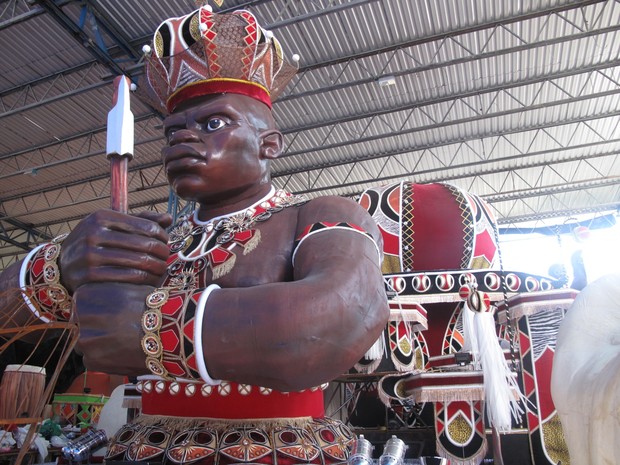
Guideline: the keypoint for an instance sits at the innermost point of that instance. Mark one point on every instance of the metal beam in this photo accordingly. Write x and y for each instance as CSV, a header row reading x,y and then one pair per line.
x,y
74,137
79,35
137,71
374,156
162,201
36,11
464,166
457,61
559,213
28,229
277,174
79,157
411,106
112,30
56,98
441,176
321,12
50,77
551,189
132,207
450,33
85,201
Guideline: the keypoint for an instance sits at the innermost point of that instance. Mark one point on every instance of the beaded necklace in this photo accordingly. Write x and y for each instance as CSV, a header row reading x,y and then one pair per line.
x,y
197,245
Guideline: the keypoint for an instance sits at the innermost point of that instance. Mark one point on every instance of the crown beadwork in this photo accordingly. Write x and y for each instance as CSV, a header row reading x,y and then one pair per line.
x,y
205,53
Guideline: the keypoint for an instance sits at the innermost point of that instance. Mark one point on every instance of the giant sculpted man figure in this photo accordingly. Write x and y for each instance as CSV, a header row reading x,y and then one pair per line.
x,y
247,306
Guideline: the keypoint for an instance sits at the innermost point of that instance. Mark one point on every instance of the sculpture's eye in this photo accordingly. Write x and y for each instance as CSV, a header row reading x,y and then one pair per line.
x,y
215,123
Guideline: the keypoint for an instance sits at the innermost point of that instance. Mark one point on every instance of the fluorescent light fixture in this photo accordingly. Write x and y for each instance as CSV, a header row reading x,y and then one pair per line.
x,y
386,81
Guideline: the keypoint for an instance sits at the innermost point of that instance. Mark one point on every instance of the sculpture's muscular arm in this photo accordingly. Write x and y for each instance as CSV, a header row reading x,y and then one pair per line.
x,y
106,247
283,335
298,334
111,262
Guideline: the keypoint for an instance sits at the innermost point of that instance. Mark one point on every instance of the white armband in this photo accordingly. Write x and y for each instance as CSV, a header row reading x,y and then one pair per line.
x,y
317,228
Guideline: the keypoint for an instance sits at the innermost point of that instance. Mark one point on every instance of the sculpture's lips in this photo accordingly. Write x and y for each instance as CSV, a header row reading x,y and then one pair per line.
x,y
182,157
184,163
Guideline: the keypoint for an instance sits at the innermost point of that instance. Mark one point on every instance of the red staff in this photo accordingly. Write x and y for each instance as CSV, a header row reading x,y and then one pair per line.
x,y
119,147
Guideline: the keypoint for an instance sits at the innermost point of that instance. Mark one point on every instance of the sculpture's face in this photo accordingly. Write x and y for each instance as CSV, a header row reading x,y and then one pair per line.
x,y
215,147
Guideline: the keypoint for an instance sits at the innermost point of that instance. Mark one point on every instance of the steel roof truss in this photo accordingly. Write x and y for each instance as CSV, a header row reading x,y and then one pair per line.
x,y
464,171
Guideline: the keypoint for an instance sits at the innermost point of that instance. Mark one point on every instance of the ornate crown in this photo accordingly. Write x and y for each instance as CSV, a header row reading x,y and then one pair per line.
x,y
207,53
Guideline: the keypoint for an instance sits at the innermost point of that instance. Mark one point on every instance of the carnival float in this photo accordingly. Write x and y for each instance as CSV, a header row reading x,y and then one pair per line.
x,y
426,381
442,264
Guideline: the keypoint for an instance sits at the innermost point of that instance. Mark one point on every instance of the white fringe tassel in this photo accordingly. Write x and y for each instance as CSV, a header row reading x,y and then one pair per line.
x,y
500,387
377,350
452,460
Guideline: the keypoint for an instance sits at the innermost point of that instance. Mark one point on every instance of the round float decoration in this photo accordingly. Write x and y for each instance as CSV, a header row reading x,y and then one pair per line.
x,y
434,226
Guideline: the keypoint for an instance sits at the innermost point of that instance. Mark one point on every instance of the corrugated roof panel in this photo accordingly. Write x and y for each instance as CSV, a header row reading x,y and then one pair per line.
x,y
18,9
24,48
306,139
139,19
67,171
50,91
450,121
82,198
51,123
432,54
41,125
607,128
561,201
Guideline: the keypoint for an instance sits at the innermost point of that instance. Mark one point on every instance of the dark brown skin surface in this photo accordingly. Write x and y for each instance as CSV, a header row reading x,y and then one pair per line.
x,y
271,324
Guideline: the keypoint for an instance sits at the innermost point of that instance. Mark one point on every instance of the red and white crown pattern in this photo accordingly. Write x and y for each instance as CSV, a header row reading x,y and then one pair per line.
x,y
206,53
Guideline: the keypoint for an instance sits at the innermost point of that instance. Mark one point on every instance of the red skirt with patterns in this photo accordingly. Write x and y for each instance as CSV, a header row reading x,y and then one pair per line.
x,y
183,423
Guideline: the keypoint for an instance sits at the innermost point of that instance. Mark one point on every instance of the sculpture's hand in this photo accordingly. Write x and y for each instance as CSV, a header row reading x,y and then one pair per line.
x,y
109,246
109,317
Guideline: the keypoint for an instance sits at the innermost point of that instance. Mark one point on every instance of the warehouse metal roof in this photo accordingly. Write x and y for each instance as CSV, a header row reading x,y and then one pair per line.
x,y
516,101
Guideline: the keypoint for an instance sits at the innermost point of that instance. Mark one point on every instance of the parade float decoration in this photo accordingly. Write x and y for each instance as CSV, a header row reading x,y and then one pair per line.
x,y
446,284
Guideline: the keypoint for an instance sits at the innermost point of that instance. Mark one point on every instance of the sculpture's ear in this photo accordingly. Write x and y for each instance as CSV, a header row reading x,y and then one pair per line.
x,y
271,144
